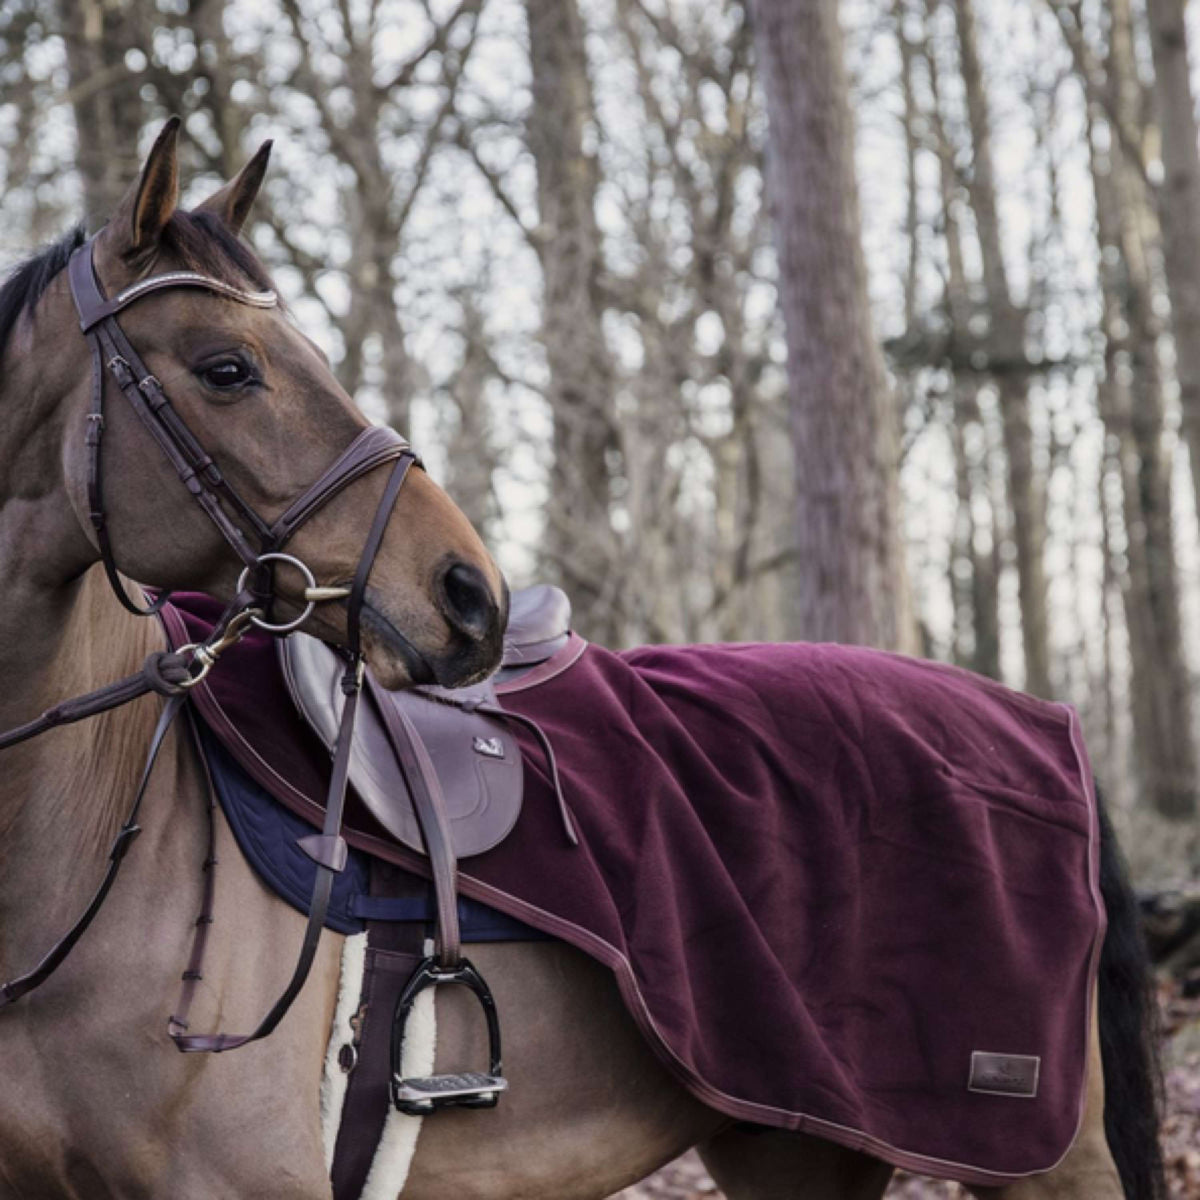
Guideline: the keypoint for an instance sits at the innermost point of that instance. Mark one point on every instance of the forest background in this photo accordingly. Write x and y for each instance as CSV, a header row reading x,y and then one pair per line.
x,y
947,401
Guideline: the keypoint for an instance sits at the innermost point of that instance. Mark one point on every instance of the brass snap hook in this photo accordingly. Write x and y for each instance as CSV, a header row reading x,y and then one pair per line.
x,y
207,653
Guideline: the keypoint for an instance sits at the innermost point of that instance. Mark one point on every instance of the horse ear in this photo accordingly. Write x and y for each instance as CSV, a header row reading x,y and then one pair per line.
x,y
232,203
147,206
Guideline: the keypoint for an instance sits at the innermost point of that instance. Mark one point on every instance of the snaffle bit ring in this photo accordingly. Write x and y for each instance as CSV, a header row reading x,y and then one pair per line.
x,y
310,583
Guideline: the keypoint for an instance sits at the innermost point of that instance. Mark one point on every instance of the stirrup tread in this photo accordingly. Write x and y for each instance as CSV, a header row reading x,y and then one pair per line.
x,y
467,1089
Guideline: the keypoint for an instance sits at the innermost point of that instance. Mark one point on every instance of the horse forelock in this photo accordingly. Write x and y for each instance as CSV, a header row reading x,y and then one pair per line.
x,y
203,242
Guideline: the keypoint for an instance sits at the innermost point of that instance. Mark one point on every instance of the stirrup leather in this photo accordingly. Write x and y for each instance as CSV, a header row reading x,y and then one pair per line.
x,y
468,1089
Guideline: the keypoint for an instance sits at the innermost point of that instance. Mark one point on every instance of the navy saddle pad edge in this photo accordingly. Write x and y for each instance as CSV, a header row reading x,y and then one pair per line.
x,y
267,835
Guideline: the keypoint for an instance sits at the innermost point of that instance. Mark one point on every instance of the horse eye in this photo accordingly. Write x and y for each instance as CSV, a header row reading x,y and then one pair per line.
x,y
228,374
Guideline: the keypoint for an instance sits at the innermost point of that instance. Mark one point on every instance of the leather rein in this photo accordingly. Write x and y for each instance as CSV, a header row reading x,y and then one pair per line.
x,y
172,673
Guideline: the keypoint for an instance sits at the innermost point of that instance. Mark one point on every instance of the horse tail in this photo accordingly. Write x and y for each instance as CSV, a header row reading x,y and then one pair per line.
x,y
1128,1033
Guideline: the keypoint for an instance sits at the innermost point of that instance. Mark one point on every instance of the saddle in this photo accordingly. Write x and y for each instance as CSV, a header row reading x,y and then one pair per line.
x,y
467,737
440,770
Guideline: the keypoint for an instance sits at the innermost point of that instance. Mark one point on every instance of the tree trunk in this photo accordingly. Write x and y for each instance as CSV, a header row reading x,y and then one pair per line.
x,y
471,448
1160,686
1168,756
1179,209
983,595
1006,351
105,99
581,547
852,579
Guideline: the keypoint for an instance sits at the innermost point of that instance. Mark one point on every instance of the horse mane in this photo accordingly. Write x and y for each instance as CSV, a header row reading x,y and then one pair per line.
x,y
28,280
200,241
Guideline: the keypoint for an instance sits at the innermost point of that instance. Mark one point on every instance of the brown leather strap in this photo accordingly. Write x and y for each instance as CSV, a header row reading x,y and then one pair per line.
x,y
216,1043
112,353
16,988
372,448
95,489
193,973
97,308
430,807
164,672
564,812
358,589
194,466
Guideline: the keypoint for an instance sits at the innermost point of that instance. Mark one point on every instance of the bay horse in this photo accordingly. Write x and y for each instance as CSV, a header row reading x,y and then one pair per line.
x,y
95,1102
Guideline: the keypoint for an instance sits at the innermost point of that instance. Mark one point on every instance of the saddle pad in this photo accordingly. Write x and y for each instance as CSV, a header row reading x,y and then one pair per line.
x,y
268,835
825,878
477,760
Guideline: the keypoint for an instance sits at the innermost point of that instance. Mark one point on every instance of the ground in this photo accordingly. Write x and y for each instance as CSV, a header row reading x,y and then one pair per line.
x,y
686,1179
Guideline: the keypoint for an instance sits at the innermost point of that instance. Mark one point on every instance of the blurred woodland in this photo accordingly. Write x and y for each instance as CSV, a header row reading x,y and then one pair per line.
x,y
947,401
536,236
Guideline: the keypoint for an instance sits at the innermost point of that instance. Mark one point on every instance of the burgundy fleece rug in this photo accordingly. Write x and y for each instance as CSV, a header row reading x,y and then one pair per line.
x,y
828,879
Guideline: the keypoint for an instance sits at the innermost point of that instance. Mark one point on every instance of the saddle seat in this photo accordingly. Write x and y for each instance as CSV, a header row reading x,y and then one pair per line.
x,y
471,749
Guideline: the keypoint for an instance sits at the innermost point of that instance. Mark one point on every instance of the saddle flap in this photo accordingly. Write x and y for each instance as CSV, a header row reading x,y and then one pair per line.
x,y
475,757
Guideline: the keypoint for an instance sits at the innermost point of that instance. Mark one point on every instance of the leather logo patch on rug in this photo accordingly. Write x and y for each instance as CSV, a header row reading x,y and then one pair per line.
x,y
1004,1074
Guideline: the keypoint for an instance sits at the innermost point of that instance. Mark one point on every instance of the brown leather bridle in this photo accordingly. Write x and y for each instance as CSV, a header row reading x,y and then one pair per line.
x,y
112,351
171,674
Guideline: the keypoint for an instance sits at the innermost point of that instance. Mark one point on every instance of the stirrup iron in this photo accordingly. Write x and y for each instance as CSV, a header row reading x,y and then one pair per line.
x,y
424,1094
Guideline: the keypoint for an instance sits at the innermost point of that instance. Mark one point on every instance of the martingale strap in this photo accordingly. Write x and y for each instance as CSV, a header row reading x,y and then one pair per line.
x,y
16,988
327,849
169,673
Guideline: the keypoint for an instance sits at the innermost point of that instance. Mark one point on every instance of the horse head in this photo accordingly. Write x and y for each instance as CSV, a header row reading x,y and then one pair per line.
x,y
260,398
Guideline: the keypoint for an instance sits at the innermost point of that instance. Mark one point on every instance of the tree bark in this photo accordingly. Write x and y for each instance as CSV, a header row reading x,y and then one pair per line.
x,y
471,447
1007,349
581,548
1179,208
852,578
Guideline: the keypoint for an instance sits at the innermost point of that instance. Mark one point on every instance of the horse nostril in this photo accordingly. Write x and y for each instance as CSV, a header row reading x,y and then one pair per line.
x,y
470,606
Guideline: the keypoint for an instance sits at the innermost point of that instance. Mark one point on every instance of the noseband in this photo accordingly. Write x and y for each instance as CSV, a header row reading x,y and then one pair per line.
x,y
258,544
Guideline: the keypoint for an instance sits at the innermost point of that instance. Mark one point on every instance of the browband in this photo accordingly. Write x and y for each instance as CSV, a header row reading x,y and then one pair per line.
x,y
94,307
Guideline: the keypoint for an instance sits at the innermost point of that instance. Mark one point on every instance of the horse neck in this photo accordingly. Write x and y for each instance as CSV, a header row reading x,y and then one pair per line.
x,y
63,794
